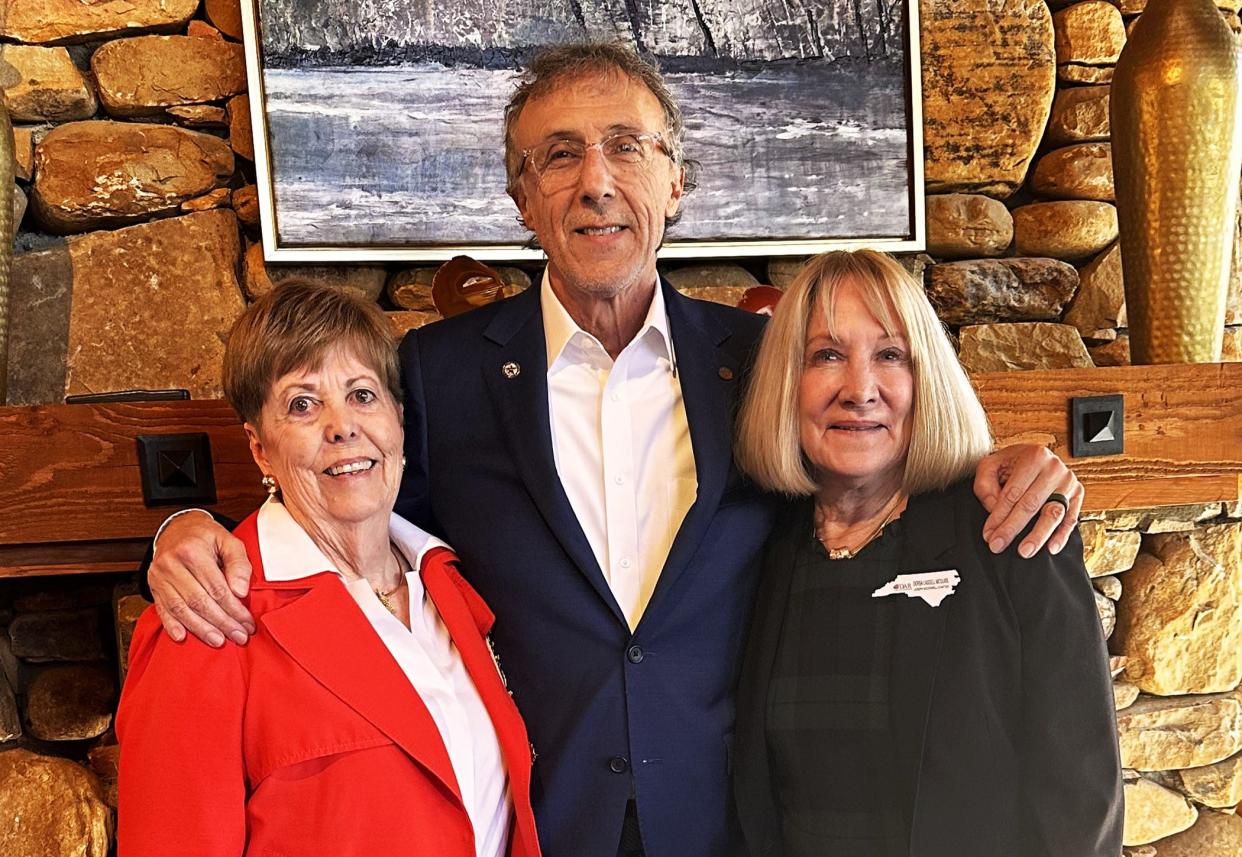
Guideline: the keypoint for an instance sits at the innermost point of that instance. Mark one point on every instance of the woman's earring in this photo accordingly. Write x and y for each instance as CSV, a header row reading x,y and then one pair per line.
x,y
269,482
403,462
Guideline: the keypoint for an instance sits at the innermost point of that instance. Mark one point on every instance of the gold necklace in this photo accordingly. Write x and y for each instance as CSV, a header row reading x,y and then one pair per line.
x,y
850,553
384,596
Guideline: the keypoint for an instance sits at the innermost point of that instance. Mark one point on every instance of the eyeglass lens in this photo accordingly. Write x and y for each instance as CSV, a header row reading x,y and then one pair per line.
x,y
559,160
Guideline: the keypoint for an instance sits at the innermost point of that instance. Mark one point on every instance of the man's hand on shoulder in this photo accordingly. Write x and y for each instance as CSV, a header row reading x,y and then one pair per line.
x,y
1014,485
199,572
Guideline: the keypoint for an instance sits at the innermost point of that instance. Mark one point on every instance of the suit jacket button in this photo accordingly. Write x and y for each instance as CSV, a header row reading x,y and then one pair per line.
x,y
634,654
618,764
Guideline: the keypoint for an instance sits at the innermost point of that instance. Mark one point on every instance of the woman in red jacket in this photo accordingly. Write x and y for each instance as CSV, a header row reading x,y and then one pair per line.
x,y
367,715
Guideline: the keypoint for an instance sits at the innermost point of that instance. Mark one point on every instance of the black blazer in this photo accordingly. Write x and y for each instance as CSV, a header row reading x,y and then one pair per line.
x,y
1002,706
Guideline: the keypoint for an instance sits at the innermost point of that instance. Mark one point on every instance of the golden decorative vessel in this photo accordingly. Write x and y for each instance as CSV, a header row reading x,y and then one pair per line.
x,y
1176,111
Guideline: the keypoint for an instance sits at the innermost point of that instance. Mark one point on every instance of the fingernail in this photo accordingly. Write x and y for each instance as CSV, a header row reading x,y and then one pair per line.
x,y
1056,549
1027,551
238,637
177,636
215,639
250,627
996,545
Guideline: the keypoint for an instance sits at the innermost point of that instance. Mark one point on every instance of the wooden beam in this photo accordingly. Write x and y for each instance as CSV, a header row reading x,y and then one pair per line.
x,y
69,473
71,496
1183,429
84,557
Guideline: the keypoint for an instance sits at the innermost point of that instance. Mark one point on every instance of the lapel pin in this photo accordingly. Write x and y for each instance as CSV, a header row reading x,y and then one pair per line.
x,y
932,586
726,373
511,370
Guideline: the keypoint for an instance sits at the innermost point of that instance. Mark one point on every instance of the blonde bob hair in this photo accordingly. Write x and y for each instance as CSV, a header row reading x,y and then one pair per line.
x,y
950,430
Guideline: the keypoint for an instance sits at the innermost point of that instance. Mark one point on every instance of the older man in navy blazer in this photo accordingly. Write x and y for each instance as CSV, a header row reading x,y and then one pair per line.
x,y
573,444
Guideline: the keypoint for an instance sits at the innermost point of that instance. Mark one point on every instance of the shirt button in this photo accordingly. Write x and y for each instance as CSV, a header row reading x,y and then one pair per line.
x,y
625,563
634,654
616,397
620,480
618,764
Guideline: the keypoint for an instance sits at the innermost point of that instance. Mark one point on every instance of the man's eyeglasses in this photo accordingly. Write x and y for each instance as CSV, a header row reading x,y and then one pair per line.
x,y
558,162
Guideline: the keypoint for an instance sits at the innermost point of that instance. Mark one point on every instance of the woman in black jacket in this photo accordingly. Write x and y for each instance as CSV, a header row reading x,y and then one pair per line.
x,y
905,691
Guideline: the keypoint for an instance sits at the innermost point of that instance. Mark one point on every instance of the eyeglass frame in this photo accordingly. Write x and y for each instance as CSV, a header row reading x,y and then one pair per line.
x,y
657,136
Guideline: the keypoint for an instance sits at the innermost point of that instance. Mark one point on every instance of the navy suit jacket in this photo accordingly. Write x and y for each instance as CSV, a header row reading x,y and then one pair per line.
x,y
612,714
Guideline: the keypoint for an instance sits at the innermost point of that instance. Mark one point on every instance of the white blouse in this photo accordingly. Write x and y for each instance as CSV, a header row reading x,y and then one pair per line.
x,y
426,655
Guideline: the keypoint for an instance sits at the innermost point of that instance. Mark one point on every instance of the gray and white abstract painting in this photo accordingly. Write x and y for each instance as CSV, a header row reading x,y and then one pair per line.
x,y
383,117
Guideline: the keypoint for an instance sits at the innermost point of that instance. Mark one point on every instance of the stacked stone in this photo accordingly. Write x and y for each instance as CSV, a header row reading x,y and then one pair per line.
x,y
58,691
1020,213
132,143
1175,577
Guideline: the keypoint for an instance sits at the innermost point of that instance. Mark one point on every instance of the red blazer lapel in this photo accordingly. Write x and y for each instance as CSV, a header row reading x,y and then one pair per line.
x,y
468,620
329,637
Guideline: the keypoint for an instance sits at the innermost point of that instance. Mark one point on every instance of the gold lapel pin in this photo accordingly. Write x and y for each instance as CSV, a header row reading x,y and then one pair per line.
x,y
511,370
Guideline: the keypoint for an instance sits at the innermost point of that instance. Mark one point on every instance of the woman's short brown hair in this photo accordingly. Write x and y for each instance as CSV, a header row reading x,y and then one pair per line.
x,y
293,327
950,430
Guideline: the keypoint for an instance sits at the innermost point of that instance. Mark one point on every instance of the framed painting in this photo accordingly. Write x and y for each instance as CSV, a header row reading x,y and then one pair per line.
x,y
378,125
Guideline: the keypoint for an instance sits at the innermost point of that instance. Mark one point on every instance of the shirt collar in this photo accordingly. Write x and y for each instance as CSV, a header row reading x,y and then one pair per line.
x,y
289,553
559,328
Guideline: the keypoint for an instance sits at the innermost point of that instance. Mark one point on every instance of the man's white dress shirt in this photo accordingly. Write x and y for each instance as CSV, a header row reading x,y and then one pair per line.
x,y
426,655
621,444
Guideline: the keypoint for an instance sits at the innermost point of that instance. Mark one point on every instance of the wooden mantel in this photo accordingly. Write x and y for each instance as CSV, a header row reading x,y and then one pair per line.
x,y
1183,429
70,489
71,497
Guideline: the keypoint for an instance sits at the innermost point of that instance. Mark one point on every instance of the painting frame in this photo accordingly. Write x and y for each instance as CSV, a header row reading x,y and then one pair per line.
x,y
913,240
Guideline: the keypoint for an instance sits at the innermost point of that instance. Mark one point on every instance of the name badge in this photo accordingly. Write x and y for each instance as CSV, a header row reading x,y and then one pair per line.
x,y
932,586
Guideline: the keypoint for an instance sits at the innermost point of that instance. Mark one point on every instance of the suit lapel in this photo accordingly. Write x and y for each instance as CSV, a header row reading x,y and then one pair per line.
x,y
756,800
328,636
929,546
521,402
708,376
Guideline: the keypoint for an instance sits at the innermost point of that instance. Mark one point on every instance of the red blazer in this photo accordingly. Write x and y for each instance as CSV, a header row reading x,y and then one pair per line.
x,y
308,741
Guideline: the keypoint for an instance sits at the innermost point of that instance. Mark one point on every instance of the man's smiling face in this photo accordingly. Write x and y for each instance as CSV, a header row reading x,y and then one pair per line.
x,y
602,230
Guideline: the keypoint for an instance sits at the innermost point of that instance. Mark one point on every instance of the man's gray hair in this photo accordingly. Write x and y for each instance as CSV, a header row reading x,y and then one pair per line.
x,y
572,60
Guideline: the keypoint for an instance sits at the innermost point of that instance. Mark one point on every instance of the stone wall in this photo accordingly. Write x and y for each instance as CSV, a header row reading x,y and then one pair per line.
x,y
62,651
139,246
1169,591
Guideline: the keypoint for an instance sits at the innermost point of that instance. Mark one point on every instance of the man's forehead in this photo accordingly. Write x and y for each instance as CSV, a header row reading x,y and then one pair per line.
x,y
598,100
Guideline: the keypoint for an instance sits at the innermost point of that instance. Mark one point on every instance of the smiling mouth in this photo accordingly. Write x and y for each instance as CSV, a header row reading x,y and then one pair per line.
x,y
599,230
858,428
351,467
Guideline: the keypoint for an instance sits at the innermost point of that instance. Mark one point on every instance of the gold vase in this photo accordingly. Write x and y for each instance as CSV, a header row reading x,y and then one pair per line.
x,y
1177,157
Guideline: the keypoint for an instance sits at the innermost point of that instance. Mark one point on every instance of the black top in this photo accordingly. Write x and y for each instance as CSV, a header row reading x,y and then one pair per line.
x,y
828,725
1000,708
